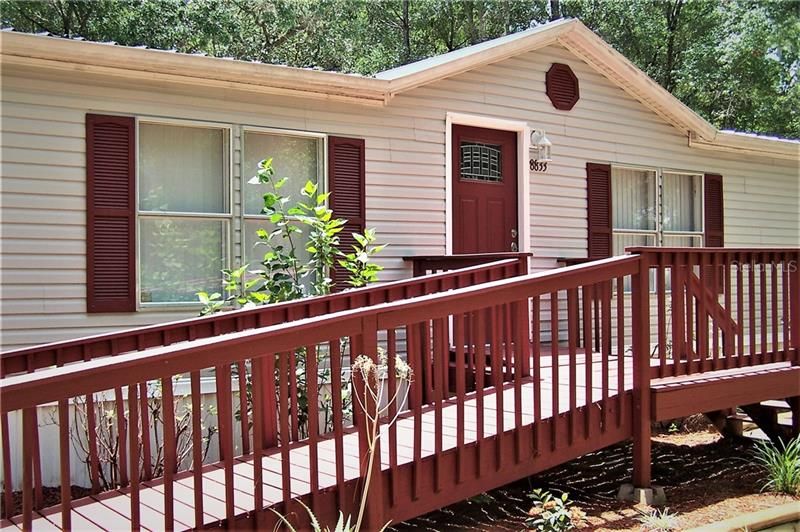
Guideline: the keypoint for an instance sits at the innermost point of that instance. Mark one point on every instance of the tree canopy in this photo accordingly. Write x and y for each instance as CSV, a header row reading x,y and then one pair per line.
x,y
736,62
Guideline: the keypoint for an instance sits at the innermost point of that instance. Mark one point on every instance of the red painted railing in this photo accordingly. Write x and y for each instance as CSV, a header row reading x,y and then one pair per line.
x,y
543,409
427,264
720,308
110,344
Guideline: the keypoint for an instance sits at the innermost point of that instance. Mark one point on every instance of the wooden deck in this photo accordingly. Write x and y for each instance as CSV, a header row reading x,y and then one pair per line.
x,y
731,320
111,510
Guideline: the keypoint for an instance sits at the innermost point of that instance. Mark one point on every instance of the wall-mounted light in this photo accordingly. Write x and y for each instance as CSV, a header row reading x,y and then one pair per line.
x,y
540,150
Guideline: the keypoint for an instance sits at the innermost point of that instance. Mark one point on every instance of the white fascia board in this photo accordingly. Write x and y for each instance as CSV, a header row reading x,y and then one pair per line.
x,y
20,48
750,144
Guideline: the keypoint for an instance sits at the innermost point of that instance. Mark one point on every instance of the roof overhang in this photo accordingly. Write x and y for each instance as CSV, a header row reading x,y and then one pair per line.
x,y
58,54
55,53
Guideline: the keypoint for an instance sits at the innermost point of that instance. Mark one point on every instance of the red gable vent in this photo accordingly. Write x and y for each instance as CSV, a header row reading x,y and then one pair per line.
x,y
562,87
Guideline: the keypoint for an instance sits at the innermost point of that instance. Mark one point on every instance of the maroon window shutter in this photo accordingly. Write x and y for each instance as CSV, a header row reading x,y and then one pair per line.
x,y
598,190
110,214
346,165
714,225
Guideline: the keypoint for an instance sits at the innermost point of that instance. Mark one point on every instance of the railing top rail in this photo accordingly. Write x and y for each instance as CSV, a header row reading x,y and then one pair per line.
x,y
470,256
658,250
243,314
26,390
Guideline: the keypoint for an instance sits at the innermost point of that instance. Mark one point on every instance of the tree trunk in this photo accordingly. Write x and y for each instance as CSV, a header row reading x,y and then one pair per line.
x,y
555,9
406,25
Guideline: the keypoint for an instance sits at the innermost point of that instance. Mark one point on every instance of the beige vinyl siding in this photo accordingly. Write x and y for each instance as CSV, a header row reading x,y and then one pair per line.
x,y
43,171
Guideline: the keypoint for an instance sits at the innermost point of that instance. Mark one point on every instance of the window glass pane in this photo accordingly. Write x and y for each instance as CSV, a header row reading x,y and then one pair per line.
x,y
681,202
683,241
633,199
481,162
180,257
622,241
294,157
182,169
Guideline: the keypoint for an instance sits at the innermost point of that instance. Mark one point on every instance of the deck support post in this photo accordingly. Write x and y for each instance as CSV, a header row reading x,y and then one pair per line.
x,y
641,373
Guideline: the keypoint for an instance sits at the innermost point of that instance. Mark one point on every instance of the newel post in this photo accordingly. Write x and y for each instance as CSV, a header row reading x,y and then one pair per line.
x,y
367,414
641,373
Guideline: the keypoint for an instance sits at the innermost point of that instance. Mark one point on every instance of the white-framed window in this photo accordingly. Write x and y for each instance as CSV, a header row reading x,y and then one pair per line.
x,y
195,209
656,207
184,209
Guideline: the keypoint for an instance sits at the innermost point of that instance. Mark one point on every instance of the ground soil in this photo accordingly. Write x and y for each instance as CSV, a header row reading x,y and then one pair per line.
x,y
706,478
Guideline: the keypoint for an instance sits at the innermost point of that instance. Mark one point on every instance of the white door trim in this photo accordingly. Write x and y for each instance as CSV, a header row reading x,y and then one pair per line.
x,y
523,171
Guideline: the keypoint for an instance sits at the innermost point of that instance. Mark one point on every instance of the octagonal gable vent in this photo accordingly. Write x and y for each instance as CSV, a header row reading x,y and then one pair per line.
x,y
562,87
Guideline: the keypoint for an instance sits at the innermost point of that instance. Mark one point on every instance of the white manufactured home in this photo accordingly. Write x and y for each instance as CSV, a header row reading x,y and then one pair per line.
x,y
124,170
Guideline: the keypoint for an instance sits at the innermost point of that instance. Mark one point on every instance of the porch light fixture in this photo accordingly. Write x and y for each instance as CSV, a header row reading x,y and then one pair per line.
x,y
540,149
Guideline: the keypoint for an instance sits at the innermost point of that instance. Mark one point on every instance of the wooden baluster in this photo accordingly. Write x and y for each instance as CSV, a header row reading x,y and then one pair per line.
x,y
572,333
554,365
508,339
678,293
395,395
739,312
312,395
497,380
223,377
5,441
519,315
133,454
702,315
460,367
620,350
244,417
28,428
144,418
257,380
605,290
121,434
94,459
375,506
294,411
438,395
661,295
536,385
729,338
478,335
751,278
785,315
337,405
716,283
775,296
691,342
588,355
427,362
284,376
414,336
170,457
197,449
763,309
66,479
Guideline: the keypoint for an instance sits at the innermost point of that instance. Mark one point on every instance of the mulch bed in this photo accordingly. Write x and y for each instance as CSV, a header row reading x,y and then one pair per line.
x,y
706,479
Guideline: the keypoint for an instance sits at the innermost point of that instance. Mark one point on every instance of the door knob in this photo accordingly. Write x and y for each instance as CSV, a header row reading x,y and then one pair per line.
x,y
514,247
513,233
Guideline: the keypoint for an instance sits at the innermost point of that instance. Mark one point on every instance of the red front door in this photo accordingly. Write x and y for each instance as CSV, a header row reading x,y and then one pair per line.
x,y
484,190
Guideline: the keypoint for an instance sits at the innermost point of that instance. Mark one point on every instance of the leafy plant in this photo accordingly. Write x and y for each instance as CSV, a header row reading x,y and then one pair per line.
x,y
552,513
283,276
782,465
659,520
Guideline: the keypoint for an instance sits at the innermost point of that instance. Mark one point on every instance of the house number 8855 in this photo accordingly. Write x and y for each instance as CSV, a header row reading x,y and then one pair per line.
x,y
536,166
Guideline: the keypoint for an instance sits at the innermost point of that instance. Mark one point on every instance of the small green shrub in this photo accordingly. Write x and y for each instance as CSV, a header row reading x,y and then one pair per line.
x,y
659,520
551,513
782,465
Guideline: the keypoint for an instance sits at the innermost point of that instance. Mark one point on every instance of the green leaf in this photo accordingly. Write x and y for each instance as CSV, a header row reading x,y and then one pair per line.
x,y
309,189
280,182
